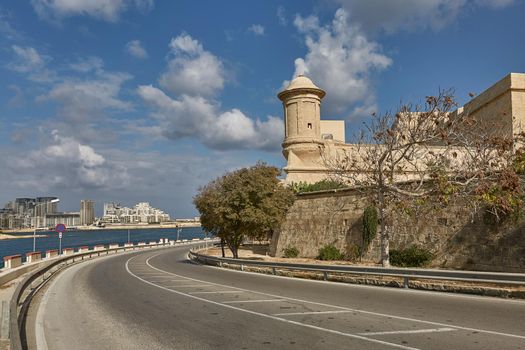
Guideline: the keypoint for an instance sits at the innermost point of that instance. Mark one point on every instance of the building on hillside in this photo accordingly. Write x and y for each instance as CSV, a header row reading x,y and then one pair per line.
x,y
87,212
502,104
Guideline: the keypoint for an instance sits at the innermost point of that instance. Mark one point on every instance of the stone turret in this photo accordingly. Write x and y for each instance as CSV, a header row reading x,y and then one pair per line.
x,y
302,135
302,116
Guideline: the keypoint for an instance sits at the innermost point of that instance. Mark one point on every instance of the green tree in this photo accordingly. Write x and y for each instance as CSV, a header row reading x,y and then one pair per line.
x,y
246,203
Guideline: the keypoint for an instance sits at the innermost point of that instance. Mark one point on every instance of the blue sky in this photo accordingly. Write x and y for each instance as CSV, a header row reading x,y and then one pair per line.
x,y
146,100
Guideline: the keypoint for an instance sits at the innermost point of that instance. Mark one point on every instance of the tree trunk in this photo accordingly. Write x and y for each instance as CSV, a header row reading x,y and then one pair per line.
x,y
385,239
222,247
235,251
385,244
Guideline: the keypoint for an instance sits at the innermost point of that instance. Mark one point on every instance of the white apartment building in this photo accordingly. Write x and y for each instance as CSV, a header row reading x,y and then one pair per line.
x,y
142,212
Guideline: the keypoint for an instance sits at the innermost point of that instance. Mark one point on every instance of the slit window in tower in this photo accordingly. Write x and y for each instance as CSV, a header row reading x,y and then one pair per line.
x,y
309,125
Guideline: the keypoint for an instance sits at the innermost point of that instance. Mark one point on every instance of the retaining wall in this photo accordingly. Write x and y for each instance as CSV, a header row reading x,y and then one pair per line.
x,y
456,239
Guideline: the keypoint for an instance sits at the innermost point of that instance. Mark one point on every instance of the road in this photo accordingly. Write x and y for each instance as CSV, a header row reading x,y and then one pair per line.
x,y
157,299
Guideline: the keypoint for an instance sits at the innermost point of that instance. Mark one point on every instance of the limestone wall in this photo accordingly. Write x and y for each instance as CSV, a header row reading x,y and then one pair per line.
x,y
456,239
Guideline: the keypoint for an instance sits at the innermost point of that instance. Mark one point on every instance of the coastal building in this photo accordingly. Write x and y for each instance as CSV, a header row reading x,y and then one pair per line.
x,y
141,213
68,219
309,141
87,212
44,206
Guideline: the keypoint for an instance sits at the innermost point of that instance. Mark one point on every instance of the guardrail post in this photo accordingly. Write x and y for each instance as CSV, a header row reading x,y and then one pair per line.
x,y
405,282
220,263
242,267
325,275
274,271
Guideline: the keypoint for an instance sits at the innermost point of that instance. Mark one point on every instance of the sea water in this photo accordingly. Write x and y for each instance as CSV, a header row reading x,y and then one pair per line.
x,y
75,239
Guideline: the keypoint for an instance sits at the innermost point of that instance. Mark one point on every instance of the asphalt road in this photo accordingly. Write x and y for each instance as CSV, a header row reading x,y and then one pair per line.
x,y
157,299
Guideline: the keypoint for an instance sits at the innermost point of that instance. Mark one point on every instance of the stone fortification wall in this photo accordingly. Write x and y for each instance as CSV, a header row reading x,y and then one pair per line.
x,y
456,239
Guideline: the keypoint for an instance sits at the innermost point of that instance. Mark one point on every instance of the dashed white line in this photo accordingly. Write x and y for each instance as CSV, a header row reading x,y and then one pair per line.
x,y
219,292
313,313
412,331
252,301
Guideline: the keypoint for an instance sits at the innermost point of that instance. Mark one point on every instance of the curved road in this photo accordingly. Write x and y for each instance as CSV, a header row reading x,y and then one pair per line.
x,y
159,300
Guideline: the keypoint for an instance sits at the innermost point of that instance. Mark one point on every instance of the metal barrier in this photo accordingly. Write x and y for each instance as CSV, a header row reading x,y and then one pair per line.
x,y
405,273
25,290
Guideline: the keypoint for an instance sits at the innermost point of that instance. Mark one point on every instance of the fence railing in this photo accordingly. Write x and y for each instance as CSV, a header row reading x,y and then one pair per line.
x,y
405,273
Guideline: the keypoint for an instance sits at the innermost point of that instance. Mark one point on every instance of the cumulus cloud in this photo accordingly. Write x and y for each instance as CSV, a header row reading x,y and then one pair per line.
x,y
81,100
69,164
394,15
196,116
135,49
108,10
256,29
340,59
191,69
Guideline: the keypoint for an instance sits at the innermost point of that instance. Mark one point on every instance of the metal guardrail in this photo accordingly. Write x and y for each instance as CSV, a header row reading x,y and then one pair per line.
x,y
25,289
405,273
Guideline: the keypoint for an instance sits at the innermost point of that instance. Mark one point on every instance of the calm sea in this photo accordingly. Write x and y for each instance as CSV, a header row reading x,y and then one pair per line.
x,y
74,239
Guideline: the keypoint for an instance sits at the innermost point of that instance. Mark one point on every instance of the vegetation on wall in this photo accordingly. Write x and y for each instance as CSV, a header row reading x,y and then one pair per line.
x,y
291,252
370,221
246,203
330,252
412,256
323,185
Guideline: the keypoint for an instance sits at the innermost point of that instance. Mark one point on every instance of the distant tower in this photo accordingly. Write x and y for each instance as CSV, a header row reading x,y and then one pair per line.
x,y
302,130
87,212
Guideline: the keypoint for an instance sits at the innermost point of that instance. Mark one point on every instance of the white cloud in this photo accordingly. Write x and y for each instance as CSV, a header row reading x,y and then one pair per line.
x,y
135,49
340,59
196,116
88,64
281,15
192,70
394,15
27,59
82,100
194,76
70,164
256,29
108,10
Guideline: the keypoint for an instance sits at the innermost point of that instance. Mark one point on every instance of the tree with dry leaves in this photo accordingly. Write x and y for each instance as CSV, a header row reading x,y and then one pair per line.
x,y
430,154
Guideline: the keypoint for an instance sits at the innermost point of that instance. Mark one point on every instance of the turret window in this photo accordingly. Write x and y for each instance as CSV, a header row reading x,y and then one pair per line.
x,y
309,125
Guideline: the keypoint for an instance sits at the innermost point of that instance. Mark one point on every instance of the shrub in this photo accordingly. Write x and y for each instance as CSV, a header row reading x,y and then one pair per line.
x,y
291,252
410,257
330,252
322,185
353,252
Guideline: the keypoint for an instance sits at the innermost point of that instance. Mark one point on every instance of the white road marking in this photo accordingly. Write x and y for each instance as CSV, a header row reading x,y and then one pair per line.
x,y
355,336
174,280
252,301
413,331
313,313
218,292
191,285
346,308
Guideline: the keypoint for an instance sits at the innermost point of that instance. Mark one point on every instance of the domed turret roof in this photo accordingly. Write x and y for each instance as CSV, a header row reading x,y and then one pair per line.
x,y
302,82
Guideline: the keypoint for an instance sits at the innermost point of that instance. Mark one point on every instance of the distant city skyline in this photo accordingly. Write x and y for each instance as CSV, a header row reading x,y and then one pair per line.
x,y
149,100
